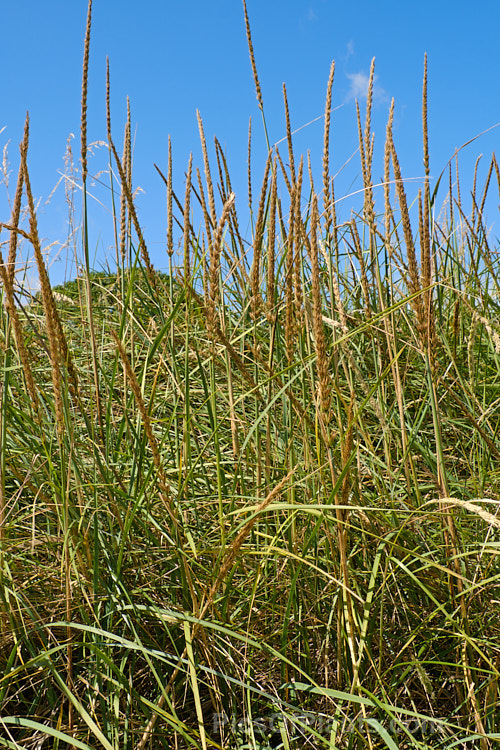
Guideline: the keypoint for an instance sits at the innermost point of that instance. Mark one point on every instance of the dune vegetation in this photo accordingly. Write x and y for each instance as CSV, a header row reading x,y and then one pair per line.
x,y
253,502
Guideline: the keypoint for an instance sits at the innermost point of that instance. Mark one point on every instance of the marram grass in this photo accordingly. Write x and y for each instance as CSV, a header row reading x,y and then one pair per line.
x,y
254,502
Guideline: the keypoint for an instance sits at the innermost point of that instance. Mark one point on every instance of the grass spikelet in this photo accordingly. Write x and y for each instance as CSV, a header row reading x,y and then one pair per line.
x,y
427,333
486,185
458,201
388,214
249,165
289,266
327,199
85,84
369,208
237,244
309,171
497,172
127,168
170,223
221,186
127,146
425,244
289,136
126,186
208,176
252,59
16,207
187,226
209,227
425,127
474,188
299,234
362,151
225,177
283,171
108,100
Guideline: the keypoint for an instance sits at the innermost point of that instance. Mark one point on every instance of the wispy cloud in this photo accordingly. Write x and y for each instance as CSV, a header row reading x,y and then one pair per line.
x,y
312,15
359,88
349,49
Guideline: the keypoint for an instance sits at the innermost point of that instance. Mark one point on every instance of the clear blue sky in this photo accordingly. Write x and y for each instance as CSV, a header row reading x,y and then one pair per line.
x,y
172,58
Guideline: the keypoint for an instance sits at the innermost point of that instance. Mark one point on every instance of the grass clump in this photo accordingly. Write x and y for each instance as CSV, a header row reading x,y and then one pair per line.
x,y
253,502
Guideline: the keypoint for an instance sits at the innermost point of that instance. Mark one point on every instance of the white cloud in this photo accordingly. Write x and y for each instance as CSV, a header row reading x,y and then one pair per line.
x,y
359,87
312,15
350,49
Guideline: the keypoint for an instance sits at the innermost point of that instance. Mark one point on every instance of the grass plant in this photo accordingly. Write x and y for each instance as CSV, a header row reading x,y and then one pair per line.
x,y
254,502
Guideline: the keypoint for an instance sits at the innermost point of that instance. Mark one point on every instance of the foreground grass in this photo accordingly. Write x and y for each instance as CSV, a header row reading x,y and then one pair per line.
x,y
254,502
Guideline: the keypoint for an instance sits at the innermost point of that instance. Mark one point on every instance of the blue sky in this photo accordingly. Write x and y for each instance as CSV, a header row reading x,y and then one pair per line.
x,y
174,58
